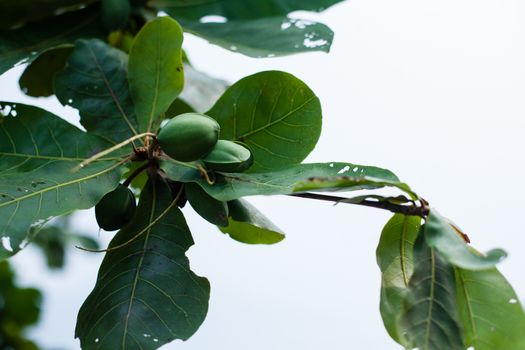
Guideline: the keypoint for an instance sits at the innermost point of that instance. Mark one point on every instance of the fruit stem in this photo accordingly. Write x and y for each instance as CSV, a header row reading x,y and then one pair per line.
x,y
112,149
136,173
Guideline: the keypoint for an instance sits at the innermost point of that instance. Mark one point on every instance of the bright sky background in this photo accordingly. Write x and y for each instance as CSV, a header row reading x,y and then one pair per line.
x,y
434,91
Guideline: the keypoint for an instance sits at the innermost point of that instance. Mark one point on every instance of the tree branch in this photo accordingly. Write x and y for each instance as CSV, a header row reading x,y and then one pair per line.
x,y
414,210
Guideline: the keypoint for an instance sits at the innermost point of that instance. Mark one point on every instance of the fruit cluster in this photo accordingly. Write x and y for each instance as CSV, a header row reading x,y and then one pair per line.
x,y
187,137
192,136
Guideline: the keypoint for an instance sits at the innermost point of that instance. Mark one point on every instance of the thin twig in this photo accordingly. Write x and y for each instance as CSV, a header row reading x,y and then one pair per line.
x,y
414,210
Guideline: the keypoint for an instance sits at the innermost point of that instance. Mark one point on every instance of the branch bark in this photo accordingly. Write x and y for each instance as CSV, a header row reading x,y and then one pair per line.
x,y
414,210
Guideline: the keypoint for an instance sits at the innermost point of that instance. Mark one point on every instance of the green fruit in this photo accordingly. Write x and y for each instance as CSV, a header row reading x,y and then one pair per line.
x,y
189,136
115,13
115,209
229,156
209,208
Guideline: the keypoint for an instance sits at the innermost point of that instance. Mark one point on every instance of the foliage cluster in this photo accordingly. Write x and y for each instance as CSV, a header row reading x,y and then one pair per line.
x,y
126,74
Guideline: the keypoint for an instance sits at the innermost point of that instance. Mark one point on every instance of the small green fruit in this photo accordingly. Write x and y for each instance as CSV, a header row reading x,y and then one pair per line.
x,y
115,209
229,156
189,136
115,13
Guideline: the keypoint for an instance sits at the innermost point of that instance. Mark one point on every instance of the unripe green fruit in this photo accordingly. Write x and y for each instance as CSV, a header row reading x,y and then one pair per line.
x,y
189,136
229,156
115,13
115,209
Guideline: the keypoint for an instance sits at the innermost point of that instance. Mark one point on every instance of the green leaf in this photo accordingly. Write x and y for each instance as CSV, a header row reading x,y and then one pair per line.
x,y
37,79
275,114
38,152
229,186
492,316
395,259
145,295
254,28
430,321
16,12
246,224
265,37
441,236
24,44
94,81
156,74
210,209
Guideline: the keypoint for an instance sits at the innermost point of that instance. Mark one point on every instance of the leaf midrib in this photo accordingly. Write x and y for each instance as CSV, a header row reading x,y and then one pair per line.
x,y
64,184
110,90
66,159
139,264
278,120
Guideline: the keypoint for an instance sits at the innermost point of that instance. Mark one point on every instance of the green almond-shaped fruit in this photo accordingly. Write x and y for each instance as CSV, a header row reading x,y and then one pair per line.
x,y
115,13
229,156
189,136
115,209
209,208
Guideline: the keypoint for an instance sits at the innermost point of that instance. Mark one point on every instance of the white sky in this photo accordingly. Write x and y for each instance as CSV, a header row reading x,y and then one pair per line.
x,y
432,90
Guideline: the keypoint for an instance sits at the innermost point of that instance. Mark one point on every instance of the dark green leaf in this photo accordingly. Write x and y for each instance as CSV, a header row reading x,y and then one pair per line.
x,y
430,321
146,295
24,44
38,152
442,236
16,12
241,9
492,315
212,210
297,178
395,259
275,114
249,225
94,81
265,37
156,74
252,27
37,79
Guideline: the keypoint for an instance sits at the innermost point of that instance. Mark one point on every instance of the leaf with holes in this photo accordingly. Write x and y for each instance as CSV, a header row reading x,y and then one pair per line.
x,y
396,262
94,81
265,37
145,295
24,44
275,114
229,186
246,224
38,153
254,28
156,74
431,320
491,313
444,238
240,9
